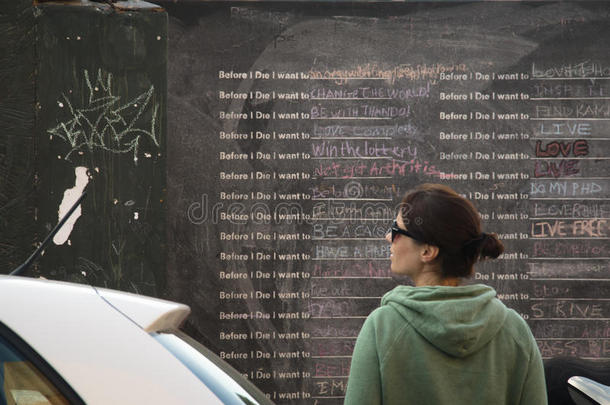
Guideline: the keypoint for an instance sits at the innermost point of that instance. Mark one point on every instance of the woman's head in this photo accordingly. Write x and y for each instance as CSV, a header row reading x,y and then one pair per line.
x,y
436,215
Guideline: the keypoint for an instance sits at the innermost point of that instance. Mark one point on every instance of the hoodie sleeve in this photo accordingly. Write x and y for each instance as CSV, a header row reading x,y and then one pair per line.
x,y
534,389
364,383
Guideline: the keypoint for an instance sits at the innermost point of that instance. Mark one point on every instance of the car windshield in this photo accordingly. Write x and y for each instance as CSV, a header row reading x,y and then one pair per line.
x,y
222,379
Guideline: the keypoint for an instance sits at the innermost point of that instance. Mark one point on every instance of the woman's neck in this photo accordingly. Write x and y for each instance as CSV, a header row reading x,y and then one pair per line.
x,y
433,278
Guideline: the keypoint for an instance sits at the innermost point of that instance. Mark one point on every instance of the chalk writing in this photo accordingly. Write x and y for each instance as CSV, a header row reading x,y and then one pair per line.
x,y
592,348
364,269
568,270
580,69
569,188
571,228
571,309
330,387
362,149
401,93
392,73
337,131
106,122
581,209
571,249
393,167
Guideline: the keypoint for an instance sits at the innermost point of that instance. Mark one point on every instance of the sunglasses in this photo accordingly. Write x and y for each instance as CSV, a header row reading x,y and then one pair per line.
x,y
395,230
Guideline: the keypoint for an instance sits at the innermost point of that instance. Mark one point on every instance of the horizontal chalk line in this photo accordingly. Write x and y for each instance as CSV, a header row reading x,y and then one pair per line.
x,y
569,319
353,157
570,279
596,338
349,98
573,178
358,137
569,299
569,198
537,218
346,78
341,298
570,78
352,278
570,98
569,258
569,119
379,238
566,238
351,258
571,158
352,118
568,138
585,358
352,219
352,178
351,199
334,337
327,397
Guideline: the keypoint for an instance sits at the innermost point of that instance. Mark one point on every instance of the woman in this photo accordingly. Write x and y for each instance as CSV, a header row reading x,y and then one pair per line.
x,y
442,342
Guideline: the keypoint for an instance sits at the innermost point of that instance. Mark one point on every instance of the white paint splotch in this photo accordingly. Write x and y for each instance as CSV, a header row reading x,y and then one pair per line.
x,y
70,197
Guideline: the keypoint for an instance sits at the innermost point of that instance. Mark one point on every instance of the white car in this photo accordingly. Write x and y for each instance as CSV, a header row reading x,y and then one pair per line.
x,y
63,343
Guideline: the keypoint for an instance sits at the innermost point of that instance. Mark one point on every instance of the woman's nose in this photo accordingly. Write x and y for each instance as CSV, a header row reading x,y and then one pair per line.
x,y
388,236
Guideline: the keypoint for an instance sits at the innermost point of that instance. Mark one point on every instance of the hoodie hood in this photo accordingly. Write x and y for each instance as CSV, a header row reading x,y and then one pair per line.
x,y
457,320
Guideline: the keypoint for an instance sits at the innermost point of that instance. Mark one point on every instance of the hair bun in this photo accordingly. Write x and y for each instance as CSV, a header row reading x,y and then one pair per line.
x,y
484,246
490,246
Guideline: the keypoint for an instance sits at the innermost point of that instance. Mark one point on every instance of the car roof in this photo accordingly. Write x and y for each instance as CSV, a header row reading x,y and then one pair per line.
x,y
98,341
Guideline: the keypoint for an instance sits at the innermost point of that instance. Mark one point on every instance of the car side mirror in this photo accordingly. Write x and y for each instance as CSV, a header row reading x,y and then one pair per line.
x,y
585,391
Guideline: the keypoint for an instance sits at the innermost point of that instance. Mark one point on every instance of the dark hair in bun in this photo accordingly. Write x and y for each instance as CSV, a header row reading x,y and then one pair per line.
x,y
437,215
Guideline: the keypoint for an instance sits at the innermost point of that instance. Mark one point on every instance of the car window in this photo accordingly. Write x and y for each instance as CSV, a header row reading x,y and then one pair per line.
x,y
222,379
23,384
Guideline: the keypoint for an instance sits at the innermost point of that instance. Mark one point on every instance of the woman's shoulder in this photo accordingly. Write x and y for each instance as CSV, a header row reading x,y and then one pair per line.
x,y
518,328
387,326
386,317
515,320
383,312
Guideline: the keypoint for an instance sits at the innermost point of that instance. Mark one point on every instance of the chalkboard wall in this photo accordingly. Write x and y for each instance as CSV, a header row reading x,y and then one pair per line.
x,y
295,129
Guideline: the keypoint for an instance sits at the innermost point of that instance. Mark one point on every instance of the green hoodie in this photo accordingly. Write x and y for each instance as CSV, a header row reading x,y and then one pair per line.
x,y
445,345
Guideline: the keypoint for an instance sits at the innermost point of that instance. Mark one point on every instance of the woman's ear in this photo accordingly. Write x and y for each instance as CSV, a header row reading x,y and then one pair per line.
x,y
429,253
